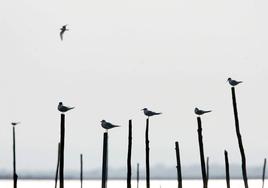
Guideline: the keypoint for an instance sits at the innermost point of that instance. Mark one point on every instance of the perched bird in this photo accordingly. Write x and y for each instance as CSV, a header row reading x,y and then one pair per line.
x,y
150,113
106,125
200,112
63,108
233,82
15,123
62,31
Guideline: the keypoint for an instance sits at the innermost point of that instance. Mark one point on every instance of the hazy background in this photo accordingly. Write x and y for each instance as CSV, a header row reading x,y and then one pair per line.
x,y
120,56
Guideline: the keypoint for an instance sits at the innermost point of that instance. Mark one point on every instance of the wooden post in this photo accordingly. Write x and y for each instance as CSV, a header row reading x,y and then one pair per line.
x,y
105,160
62,140
57,168
201,149
263,172
207,171
178,165
147,150
15,176
81,170
227,168
138,174
239,138
129,154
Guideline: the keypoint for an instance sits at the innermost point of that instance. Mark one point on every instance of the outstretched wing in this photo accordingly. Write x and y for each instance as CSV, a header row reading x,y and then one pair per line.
x,y
61,34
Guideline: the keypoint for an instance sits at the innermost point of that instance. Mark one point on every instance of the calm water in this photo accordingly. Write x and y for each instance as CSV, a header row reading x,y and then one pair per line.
x,y
122,184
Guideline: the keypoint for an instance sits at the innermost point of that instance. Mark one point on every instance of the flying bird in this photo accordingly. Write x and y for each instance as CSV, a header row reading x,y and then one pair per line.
x,y
200,112
15,123
62,31
63,108
107,125
150,113
233,82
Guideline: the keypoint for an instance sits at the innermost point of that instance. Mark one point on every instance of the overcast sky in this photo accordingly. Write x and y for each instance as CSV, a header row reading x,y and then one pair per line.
x,y
121,56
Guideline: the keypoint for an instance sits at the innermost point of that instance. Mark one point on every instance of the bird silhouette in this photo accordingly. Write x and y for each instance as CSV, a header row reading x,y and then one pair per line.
x,y
15,123
62,31
150,113
200,112
63,108
107,125
233,82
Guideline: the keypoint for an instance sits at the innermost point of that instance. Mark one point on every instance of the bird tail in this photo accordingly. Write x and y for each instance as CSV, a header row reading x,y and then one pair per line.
x,y
71,108
207,111
116,125
158,113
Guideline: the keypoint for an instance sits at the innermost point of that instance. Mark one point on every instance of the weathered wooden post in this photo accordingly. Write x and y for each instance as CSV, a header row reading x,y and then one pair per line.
x,y
129,154
57,168
62,140
62,109
148,113
81,170
227,169
147,151
105,160
179,177
239,138
263,172
138,174
201,149
15,176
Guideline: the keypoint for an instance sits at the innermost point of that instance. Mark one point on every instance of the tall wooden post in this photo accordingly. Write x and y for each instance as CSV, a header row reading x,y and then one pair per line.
x,y
239,138
129,154
105,160
178,165
147,150
62,140
15,176
81,170
201,149
263,172
227,168
57,168
138,174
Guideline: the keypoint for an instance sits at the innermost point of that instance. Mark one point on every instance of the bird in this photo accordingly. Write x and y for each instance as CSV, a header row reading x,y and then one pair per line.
x,y
62,31
233,82
63,108
15,123
200,112
150,113
107,125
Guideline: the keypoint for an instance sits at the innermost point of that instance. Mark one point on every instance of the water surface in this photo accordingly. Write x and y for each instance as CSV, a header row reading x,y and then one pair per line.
x,y
122,184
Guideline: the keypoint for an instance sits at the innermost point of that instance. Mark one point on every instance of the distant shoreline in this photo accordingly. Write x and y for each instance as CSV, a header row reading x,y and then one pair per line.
x,y
157,172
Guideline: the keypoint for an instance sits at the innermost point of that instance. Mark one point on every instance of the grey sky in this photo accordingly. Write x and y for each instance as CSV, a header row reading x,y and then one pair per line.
x,y
120,56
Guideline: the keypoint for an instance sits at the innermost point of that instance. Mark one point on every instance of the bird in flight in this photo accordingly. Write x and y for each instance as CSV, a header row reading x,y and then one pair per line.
x,y
63,108
15,123
233,82
200,112
62,31
107,125
150,113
